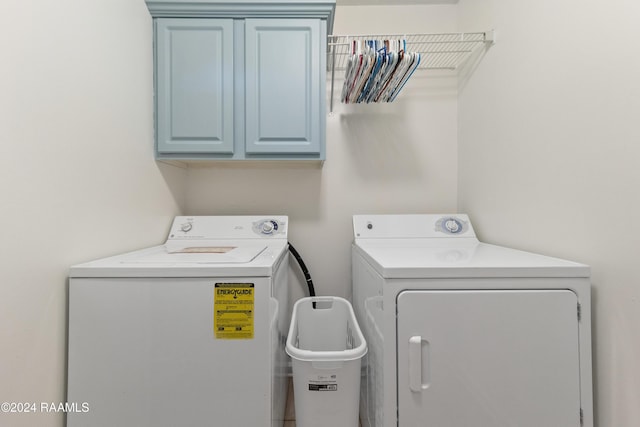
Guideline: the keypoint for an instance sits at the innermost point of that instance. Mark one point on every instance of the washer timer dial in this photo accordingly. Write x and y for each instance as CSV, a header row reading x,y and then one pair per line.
x,y
266,227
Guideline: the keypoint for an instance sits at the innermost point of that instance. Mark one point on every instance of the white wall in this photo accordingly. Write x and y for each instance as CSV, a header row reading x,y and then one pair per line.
x,y
549,153
78,176
399,157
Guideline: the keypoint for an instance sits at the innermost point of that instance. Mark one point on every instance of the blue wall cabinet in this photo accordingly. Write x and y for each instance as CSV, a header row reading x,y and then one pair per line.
x,y
284,82
240,80
194,86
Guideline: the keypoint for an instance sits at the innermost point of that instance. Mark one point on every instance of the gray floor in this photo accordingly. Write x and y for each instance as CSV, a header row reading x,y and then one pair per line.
x,y
289,412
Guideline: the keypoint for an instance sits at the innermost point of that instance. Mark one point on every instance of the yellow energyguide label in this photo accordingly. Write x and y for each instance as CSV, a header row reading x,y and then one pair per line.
x,y
233,316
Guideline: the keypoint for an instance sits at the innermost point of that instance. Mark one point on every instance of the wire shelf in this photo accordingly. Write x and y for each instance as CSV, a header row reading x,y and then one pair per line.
x,y
447,51
438,51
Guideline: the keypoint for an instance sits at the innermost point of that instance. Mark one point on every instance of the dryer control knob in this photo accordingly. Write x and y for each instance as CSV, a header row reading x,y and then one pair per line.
x,y
452,225
187,226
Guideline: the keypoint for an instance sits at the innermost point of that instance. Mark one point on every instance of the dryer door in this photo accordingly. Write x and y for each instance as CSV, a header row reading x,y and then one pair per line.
x,y
488,358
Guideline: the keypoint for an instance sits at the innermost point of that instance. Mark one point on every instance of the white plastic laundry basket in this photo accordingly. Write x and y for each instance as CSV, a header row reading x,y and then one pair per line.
x,y
326,347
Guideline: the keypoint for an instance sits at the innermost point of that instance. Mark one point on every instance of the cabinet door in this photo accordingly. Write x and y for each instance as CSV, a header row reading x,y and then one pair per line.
x,y
284,90
488,358
194,86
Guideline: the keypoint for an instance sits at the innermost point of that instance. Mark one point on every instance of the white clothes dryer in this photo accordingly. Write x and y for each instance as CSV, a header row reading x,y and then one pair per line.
x,y
188,333
463,333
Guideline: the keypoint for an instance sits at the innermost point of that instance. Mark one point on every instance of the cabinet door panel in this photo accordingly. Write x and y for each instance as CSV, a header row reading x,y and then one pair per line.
x,y
194,85
283,86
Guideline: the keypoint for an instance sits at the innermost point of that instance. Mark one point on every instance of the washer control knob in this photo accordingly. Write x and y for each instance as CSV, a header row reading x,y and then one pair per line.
x,y
186,227
267,227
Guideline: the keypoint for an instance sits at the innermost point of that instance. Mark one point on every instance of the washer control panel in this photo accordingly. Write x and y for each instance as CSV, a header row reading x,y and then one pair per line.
x,y
228,227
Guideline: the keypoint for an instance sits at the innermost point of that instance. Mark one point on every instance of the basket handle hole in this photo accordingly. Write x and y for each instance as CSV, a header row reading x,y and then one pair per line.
x,y
323,304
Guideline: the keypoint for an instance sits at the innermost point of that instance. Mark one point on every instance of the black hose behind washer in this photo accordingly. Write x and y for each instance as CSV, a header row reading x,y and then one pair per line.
x,y
305,271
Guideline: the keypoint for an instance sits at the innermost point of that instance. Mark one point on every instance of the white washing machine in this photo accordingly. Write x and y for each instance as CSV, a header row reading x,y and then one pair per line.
x,y
189,333
463,333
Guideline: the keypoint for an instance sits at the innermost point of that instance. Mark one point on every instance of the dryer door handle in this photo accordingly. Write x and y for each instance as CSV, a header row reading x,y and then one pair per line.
x,y
418,377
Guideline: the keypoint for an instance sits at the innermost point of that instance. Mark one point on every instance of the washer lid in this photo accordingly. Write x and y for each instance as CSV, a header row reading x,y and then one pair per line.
x,y
247,259
202,246
209,252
